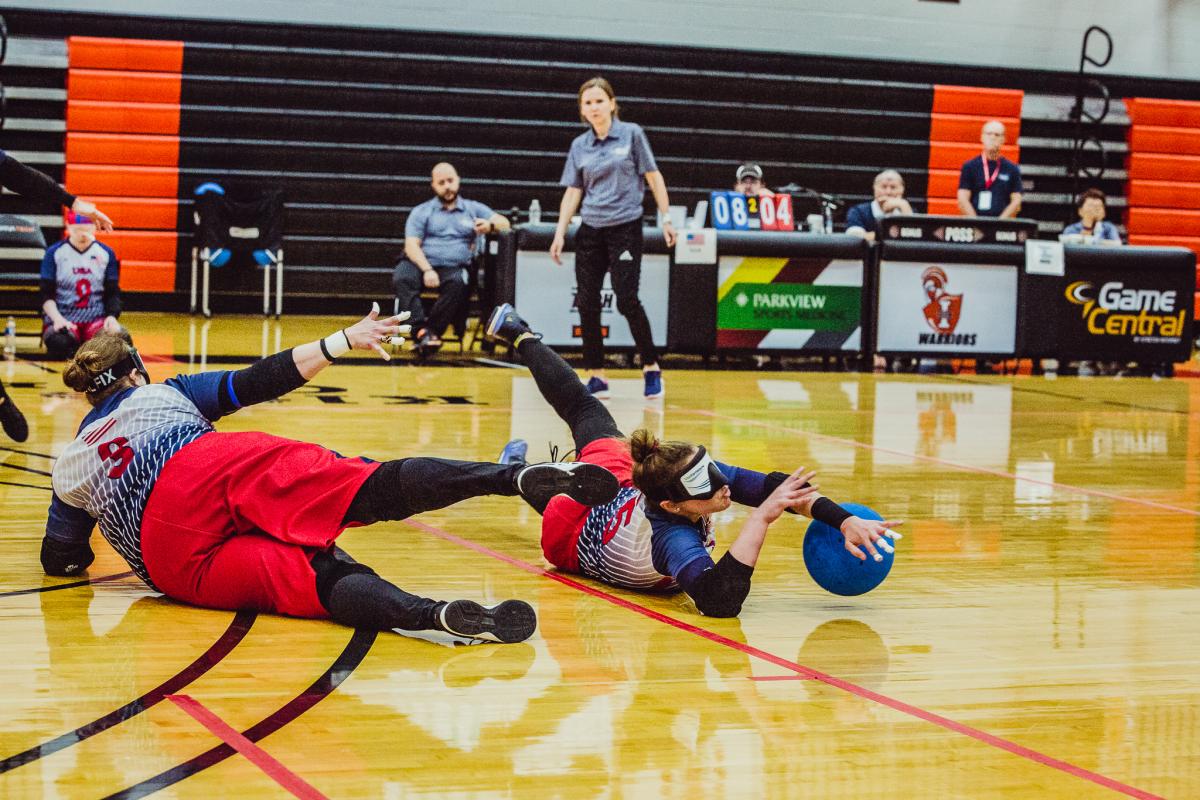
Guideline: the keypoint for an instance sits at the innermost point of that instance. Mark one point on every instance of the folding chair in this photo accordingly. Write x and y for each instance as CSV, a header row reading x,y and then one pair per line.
x,y
241,222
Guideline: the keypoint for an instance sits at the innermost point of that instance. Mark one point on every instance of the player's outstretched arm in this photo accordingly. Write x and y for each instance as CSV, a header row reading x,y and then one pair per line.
x,y
275,376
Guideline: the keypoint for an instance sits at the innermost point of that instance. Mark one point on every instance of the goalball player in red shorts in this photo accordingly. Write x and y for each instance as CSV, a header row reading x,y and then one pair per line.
x,y
657,533
249,520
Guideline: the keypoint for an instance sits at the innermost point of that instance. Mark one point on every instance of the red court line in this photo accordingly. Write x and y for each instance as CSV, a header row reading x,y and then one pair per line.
x,y
944,462
255,754
800,670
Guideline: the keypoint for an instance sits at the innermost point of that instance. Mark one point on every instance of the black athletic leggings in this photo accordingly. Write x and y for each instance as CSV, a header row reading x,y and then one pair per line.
x,y
352,593
587,417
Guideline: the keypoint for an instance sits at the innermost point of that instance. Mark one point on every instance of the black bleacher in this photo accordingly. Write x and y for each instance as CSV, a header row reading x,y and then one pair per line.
x,y
349,121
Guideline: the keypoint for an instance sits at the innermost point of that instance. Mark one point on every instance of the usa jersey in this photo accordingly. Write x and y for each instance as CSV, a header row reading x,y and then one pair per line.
x,y
619,542
79,278
106,474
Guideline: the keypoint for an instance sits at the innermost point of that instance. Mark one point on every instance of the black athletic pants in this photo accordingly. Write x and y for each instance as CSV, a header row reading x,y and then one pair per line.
x,y
587,417
617,250
352,593
450,306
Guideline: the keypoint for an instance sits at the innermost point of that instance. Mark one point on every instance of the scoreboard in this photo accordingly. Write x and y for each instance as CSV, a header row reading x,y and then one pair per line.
x,y
734,211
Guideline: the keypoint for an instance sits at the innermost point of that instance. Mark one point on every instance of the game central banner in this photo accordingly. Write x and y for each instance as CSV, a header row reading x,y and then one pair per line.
x,y
812,304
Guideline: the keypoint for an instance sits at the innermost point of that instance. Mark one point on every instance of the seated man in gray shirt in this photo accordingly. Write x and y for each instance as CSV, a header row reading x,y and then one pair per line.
x,y
440,240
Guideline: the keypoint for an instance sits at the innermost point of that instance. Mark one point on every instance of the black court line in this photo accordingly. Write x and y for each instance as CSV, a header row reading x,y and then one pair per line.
x,y
28,453
37,364
353,654
27,486
1077,398
26,469
237,630
102,579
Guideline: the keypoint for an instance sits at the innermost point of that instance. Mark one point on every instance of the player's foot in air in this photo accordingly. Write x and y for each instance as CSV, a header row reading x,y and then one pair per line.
x,y
514,452
510,621
586,484
11,418
505,325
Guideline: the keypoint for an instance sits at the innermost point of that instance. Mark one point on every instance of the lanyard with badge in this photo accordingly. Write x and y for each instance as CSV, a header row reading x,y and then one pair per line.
x,y
985,195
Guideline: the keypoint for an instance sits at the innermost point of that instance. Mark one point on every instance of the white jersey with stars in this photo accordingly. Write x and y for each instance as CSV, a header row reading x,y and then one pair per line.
x,y
111,466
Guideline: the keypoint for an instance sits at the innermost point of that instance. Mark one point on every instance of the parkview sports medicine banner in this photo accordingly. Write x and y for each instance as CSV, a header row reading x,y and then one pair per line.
x,y
545,296
947,308
810,304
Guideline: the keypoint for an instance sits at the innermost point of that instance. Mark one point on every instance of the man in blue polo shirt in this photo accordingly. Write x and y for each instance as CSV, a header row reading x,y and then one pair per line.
x,y
440,239
990,185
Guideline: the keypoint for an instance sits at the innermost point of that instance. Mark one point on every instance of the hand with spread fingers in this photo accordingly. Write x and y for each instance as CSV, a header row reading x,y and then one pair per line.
x,y
868,533
794,489
371,332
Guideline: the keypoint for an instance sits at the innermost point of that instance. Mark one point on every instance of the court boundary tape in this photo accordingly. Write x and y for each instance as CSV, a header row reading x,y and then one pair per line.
x,y
805,672
347,661
996,473
238,627
260,758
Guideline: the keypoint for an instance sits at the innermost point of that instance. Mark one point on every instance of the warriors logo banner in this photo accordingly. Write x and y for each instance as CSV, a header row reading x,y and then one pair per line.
x,y
947,308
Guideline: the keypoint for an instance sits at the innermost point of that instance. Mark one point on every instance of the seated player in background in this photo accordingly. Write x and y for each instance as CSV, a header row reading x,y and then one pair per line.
x,y
30,183
657,533
81,295
863,219
248,520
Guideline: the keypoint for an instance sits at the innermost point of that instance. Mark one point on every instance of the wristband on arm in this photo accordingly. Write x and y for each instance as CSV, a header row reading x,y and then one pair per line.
x,y
335,345
829,512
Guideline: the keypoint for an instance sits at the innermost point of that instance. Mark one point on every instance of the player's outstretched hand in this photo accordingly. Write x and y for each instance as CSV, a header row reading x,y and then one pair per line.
x,y
371,332
88,209
868,533
787,494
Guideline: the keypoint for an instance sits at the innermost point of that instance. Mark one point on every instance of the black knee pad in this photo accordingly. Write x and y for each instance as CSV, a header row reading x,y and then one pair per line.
x,y
331,566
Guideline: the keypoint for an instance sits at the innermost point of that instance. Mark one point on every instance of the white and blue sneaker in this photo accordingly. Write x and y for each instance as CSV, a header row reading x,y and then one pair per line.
x,y
654,383
598,388
505,325
514,452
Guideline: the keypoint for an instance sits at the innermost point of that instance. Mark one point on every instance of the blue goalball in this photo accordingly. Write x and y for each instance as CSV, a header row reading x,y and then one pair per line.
x,y
833,567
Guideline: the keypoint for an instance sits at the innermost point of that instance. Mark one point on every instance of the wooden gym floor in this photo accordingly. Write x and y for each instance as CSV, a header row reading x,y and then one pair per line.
x,y
1038,636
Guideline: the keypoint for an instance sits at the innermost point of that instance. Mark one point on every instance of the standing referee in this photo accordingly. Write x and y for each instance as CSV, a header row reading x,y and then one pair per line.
x,y
607,169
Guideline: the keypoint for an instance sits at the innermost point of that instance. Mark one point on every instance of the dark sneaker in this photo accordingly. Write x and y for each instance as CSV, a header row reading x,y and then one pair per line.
x,y
654,383
11,418
514,452
510,621
586,484
505,325
427,344
598,388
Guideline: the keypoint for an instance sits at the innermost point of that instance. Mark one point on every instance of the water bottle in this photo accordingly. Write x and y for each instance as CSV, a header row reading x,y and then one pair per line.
x,y
535,212
10,337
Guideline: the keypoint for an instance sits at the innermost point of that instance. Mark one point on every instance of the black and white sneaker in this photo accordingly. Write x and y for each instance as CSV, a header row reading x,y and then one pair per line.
x,y
505,325
586,484
510,621
11,419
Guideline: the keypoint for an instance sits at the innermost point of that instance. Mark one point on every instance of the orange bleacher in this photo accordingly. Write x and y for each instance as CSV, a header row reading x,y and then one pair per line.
x,y
122,148
1164,174
959,114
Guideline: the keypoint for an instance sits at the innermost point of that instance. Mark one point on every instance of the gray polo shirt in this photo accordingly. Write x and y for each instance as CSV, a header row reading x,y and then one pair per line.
x,y
447,235
609,171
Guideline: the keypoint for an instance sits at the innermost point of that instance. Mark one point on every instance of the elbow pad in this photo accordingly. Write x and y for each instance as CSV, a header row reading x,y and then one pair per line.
x,y
720,591
64,559
272,377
